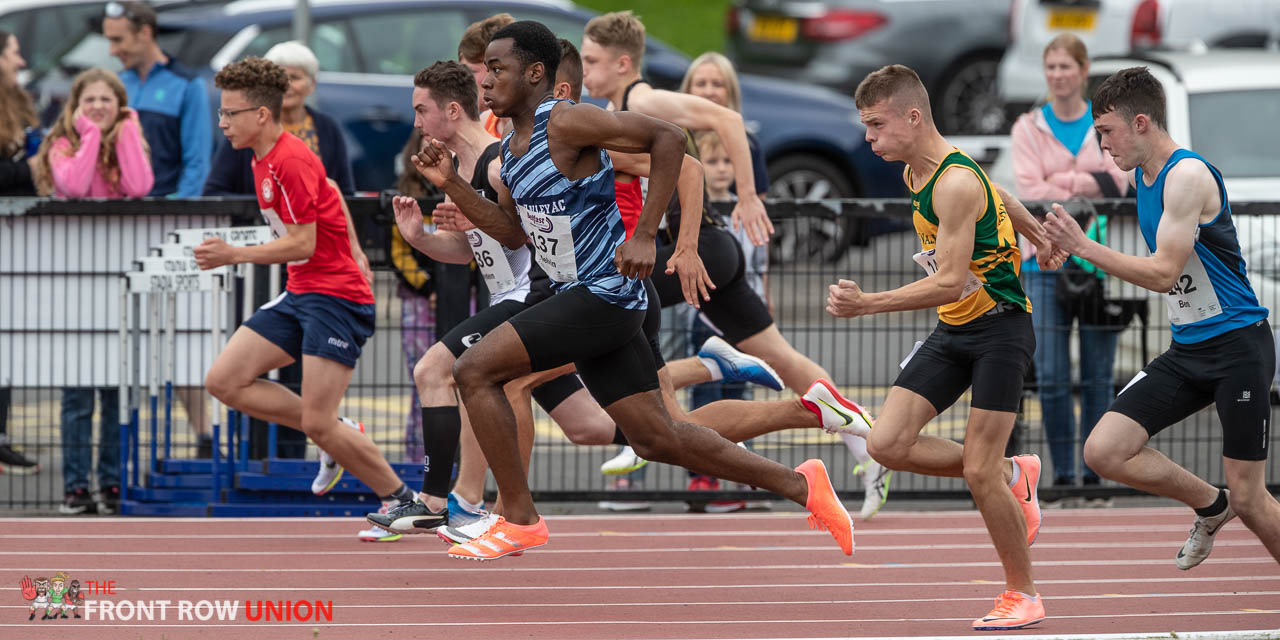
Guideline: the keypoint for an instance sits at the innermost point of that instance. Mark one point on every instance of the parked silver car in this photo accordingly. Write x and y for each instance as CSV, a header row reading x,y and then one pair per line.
x,y
954,46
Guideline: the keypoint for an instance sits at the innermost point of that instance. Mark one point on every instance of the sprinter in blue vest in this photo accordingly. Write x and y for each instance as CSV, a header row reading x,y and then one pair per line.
x,y
1223,351
557,193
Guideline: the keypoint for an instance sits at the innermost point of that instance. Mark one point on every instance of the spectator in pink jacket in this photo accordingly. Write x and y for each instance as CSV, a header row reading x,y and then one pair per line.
x,y
94,150
1056,156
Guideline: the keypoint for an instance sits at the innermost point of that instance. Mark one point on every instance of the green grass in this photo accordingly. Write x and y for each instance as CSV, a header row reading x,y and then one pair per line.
x,y
692,26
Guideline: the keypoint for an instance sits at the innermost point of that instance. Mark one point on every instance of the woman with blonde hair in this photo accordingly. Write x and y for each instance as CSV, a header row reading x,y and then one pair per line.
x,y
94,150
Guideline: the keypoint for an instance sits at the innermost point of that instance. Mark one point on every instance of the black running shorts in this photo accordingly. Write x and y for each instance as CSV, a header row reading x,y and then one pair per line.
x,y
605,342
736,310
1233,371
468,332
991,353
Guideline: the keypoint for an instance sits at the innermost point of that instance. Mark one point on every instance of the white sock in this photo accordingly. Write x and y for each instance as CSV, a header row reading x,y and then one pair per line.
x,y
857,446
469,506
1017,473
712,367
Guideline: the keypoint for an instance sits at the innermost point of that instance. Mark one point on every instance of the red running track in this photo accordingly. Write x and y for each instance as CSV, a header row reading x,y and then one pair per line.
x,y
914,574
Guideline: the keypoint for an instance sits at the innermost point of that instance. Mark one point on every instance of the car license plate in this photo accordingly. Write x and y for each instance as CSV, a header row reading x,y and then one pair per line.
x,y
1074,19
774,29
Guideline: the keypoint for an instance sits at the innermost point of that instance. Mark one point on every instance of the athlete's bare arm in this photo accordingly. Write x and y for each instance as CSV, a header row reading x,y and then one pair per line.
x,y
1190,194
1047,256
958,200
498,219
585,126
684,261
442,245
699,114
298,243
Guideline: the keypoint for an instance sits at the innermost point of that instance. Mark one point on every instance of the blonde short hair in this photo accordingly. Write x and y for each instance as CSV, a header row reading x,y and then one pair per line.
x,y
733,90
896,82
619,30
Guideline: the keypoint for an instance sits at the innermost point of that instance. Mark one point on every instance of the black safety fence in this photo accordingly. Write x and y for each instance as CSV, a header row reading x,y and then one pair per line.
x,y
62,310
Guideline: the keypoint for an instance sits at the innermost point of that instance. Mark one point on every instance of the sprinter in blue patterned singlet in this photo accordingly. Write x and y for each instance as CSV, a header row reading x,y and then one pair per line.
x,y
1223,351
574,225
558,193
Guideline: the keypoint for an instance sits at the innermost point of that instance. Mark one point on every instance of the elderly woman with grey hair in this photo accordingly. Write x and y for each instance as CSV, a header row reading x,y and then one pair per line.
x,y
232,174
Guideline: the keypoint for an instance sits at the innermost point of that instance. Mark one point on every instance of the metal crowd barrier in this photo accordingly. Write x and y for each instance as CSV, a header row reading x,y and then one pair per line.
x,y
71,315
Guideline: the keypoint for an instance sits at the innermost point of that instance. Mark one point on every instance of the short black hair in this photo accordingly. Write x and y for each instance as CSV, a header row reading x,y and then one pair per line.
x,y
450,81
570,68
1130,92
533,42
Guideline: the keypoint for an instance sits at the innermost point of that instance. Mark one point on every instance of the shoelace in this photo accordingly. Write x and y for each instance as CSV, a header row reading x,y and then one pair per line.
x,y
1005,604
816,523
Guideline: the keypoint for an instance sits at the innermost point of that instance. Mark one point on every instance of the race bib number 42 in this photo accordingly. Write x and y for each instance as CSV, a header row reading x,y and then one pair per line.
x,y
1192,297
552,239
929,262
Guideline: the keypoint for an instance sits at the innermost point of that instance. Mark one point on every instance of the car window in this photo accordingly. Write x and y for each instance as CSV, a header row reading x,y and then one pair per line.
x,y
1237,151
330,41
49,31
92,51
403,43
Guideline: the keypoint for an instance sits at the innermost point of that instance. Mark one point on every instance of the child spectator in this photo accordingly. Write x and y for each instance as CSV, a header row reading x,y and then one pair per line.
x,y
94,150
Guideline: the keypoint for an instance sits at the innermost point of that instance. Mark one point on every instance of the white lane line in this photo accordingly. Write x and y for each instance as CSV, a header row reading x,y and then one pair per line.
x,y
615,569
1249,542
713,603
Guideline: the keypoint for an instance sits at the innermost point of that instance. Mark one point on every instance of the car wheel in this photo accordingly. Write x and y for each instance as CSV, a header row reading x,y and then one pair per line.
x,y
808,177
968,102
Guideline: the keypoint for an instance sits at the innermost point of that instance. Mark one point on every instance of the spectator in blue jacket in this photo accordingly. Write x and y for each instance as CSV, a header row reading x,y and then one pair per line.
x,y
232,174
171,100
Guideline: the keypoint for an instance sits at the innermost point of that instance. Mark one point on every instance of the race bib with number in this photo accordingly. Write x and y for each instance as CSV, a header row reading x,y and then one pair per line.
x,y
491,257
1192,297
929,262
552,239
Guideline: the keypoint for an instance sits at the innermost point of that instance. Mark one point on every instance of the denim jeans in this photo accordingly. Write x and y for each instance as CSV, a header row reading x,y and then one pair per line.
x,y
1052,324
77,438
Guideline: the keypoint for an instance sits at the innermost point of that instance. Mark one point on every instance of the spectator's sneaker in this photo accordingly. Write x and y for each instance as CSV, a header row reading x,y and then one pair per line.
x,y
204,448
736,366
625,462
460,515
824,506
621,486
109,500
1014,610
1025,491
409,517
12,461
502,539
467,532
1200,542
875,487
77,501
330,471
838,414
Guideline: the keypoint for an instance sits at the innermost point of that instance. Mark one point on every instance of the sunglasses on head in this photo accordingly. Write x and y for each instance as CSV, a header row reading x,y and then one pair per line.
x,y
117,10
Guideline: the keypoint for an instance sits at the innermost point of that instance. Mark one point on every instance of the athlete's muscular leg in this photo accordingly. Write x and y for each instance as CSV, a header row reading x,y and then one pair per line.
x,y
984,463
797,371
234,380
657,437
688,371
433,375
1250,500
1117,449
896,441
481,373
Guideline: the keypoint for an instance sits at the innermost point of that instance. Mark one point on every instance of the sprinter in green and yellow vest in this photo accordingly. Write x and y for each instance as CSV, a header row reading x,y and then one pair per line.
x,y
984,340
